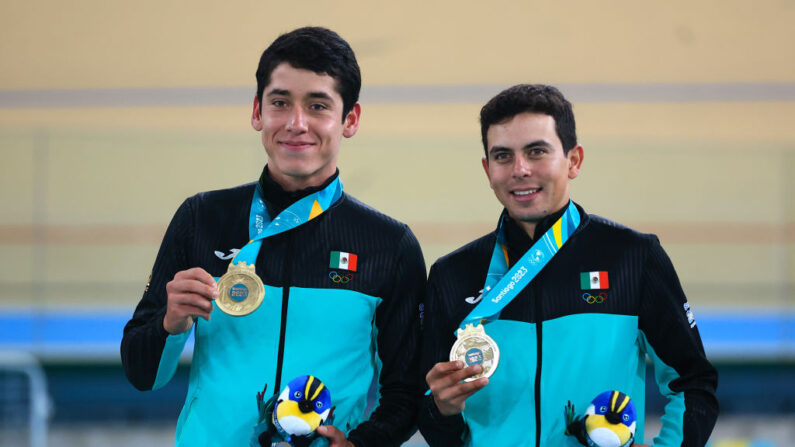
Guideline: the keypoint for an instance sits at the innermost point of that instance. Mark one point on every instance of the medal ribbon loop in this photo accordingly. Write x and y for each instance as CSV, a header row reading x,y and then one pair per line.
x,y
503,285
260,225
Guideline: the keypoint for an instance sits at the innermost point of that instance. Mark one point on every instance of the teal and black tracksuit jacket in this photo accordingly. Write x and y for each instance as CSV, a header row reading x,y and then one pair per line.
x,y
352,329
557,345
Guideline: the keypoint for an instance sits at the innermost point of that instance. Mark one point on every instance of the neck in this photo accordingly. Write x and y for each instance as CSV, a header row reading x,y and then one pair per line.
x,y
292,183
528,227
278,198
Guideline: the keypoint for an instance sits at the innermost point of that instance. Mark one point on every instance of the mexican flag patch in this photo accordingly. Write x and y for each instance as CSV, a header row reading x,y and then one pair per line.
x,y
594,280
342,260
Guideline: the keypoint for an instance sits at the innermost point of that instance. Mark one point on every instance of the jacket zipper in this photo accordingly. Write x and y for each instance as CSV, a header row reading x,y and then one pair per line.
x,y
285,299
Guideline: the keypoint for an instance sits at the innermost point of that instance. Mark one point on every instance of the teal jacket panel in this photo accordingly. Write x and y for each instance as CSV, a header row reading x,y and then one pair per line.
x,y
583,356
234,357
502,413
346,364
603,348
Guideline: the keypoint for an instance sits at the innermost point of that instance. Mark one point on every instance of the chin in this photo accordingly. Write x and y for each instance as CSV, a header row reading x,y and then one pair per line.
x,y
528,217
297,170
298,174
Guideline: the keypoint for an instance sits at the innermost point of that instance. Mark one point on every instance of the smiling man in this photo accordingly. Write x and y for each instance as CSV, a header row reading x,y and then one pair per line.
x,y
320,284
555,306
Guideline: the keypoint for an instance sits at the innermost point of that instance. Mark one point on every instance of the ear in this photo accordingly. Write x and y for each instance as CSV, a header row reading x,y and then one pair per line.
x,y
485,162
256,115
575,156
351,124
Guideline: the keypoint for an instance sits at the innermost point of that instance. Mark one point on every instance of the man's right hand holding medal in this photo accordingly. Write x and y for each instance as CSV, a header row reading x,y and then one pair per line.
x,y
190,295
449,390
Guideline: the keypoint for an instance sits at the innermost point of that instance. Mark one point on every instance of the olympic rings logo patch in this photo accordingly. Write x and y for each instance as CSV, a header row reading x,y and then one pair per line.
x,y
591,299
340,279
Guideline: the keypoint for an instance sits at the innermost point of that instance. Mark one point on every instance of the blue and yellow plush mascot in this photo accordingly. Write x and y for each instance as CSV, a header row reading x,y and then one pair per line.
x,y
608,422
293,416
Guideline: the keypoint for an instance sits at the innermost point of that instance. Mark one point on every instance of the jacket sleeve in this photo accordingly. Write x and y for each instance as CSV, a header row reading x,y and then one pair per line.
x,y
670,336
397,320
145,339
437,338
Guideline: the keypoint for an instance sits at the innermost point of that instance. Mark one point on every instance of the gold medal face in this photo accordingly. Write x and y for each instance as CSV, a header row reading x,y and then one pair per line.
x,y
240,290
474,347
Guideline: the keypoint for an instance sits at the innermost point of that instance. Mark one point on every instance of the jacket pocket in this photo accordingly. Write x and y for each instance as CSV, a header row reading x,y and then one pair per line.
x,y
185,417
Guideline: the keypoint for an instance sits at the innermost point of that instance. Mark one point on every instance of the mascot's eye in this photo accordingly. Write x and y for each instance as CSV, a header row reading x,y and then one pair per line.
x,y
297,394
319,404
603,409
626,417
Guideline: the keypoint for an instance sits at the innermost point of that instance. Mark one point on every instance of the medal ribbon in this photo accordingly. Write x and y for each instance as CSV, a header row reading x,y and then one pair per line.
x,y
260,225
503,285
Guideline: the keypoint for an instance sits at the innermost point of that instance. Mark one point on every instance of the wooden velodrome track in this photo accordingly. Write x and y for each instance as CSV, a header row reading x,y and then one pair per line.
x,y
110,115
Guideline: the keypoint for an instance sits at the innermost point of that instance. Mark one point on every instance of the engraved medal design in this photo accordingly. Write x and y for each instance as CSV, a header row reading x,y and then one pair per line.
x,y
474,347
240,290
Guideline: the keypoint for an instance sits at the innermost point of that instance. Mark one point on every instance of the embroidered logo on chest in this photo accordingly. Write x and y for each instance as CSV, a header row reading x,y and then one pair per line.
x,y
341,261
594,299
594,281
225,257
474,300
340,278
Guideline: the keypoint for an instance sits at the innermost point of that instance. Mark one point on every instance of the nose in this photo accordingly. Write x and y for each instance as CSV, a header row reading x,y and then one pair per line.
x,y
296,122
521,167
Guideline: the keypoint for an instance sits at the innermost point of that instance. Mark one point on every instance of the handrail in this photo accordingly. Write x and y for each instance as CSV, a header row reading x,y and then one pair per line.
x,y
27,364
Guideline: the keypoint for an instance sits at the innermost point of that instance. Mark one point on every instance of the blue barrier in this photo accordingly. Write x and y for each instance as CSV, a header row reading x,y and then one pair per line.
x,y
728,335
66,336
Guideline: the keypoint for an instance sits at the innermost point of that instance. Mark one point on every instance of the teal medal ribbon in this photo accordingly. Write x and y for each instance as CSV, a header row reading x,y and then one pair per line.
x,y
240,290
503,284
260,225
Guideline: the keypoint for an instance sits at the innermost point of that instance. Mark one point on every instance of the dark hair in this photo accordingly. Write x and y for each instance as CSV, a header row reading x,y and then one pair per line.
x,y
317,49
533,98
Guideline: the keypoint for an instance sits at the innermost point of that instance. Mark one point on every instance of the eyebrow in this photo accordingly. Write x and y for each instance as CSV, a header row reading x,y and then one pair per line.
x,y
537,143
319,95
313,95
278,92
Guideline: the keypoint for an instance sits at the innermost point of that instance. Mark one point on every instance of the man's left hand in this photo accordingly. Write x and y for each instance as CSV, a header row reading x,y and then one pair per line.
x,y
335,437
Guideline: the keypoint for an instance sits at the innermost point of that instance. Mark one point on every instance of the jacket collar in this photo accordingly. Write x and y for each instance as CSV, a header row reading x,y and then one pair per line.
x,y
277,199
518,240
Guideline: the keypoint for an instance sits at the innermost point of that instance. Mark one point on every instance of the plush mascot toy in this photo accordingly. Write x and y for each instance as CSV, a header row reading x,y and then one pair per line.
x,y
293,416
608,422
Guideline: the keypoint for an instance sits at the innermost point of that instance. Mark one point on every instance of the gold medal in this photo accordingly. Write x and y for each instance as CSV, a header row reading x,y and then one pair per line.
x,y
474,347
240,290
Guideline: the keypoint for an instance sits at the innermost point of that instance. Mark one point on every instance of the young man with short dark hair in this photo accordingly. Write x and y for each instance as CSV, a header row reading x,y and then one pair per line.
x,y
314,283
555,307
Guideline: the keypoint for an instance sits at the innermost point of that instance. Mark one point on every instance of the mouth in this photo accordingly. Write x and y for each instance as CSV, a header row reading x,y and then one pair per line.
x,y
525,194
296,145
